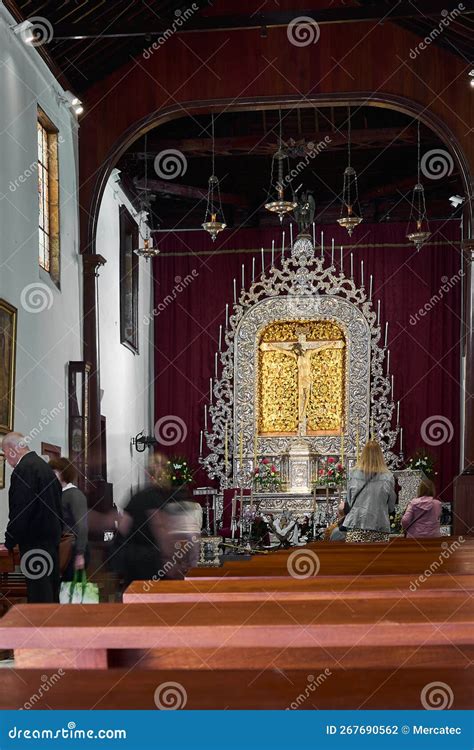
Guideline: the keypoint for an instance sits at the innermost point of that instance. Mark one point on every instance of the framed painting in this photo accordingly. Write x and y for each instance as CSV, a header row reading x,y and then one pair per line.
x,y
7,365
2,472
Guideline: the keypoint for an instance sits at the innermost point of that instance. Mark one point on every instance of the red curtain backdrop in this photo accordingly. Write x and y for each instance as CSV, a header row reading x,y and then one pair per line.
x,y
420,294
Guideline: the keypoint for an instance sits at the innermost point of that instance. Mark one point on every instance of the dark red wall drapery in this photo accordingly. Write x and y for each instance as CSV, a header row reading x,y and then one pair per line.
x,y
194,281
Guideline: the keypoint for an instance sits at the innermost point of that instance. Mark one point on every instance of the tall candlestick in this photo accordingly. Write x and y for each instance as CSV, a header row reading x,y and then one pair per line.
x,y
205,417
226,448
322,244
314,234
283,246
215,365
253,270
386,333
263,259
220,338
243,276
398,413
378,312
401,439
235,291
210,390
391,383
388,361
342,260
352,265
226,316
362,273
332,252
273,253
200,443
291,234
371,285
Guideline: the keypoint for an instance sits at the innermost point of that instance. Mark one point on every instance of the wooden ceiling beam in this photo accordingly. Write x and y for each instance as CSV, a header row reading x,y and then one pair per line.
x,y
187,192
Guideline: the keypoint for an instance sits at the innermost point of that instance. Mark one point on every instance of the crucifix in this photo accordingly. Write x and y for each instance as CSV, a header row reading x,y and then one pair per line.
x,y
301,351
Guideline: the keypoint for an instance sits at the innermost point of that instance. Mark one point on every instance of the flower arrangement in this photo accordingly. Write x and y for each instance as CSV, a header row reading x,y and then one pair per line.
x,y
423,462
396,522
266,475
178,471
331,473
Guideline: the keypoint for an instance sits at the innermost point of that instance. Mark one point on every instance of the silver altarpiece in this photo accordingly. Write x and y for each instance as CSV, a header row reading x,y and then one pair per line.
x,y
299,287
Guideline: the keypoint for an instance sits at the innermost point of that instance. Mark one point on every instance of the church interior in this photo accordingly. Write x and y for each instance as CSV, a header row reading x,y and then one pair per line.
x,y
237,375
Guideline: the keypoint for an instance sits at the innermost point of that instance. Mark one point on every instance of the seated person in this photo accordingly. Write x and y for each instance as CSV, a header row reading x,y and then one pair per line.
x,y
334,533
422,514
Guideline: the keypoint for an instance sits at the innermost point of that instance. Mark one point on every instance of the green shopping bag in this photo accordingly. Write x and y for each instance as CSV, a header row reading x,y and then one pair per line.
x,y
79,590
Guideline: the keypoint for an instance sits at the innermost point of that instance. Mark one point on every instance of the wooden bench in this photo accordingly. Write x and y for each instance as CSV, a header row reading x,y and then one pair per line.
x,y
369,688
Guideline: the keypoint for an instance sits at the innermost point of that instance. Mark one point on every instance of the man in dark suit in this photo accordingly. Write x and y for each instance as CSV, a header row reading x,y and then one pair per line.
x,y
35,518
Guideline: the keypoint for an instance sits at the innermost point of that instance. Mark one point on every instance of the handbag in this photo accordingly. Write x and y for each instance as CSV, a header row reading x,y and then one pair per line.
x,y
79,591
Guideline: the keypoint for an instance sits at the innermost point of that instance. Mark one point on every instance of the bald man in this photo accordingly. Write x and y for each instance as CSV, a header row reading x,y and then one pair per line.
x,y
35,518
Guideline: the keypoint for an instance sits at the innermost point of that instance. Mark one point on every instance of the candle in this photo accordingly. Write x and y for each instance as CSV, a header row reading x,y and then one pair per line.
x,y
362,273
253,269
200,443
234,508
388,361
282,245
371,284
255,450
392,385
322,244
235,291
291,234
398,413
314,234
215,365
273,253
210,390
386,333
263,259
243,276
342,260
401,439
226,316
226,448
342,445
378,312
332,252
220,338
205,417
352,265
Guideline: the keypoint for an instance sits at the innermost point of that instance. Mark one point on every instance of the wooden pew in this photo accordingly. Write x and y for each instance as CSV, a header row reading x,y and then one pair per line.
x,y
378,632
287,588
446,555
366,688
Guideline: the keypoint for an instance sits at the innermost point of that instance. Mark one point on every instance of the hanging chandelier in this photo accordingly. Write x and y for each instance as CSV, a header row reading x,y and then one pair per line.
x,y
350,191
279,206
214,221
421,230
145,214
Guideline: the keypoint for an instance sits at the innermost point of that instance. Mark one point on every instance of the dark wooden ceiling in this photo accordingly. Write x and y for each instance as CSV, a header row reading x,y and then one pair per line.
x,y
384,153
91,38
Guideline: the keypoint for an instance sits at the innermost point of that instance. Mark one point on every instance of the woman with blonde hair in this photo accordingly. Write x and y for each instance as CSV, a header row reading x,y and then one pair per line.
x,y
370,497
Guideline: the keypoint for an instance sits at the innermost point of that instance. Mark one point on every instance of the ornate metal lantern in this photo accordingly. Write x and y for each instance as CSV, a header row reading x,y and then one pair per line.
x,y
350,191
420,232
214,221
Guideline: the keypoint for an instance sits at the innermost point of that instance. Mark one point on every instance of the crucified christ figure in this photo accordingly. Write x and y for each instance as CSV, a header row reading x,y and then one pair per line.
x,y
301,351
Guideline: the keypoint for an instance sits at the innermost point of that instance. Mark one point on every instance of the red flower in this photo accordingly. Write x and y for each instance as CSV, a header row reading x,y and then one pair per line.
x,y
265,461
321,472
330,460
330,472
255,471
273,468
339,467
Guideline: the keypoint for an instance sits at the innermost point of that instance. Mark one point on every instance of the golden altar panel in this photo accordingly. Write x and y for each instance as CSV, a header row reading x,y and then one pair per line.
x,y
301,377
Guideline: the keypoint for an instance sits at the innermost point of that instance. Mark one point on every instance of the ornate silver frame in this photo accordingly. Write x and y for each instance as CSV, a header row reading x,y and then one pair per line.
x,y
302,288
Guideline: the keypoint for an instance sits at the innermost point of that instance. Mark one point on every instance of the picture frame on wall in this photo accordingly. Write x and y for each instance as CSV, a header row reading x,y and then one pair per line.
x,y
8,322
2,472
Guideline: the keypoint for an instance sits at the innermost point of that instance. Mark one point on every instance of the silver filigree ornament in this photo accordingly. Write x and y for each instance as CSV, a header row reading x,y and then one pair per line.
x,y
302,288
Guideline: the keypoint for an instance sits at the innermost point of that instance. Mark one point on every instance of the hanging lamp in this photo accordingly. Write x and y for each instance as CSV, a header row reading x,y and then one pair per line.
x,y
350,191
279,206
214,221
418,230
145,216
